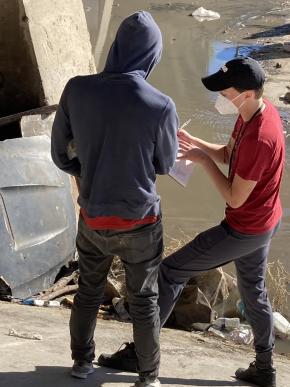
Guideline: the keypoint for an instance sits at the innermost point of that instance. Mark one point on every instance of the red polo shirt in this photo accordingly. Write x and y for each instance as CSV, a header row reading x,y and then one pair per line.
x,y
259,157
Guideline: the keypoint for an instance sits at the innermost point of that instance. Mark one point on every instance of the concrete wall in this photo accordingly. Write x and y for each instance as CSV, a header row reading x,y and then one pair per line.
x,y
19,81
98,15
43,43
58,33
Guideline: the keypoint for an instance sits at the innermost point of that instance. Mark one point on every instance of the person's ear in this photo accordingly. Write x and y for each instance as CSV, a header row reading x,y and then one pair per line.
x,y
249,94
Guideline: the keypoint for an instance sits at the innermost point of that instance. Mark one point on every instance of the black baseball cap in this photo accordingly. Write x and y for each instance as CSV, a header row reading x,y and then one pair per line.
x,y
242,73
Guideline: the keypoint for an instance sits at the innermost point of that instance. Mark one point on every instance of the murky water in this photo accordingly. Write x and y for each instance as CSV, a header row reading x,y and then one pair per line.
x,y
192,50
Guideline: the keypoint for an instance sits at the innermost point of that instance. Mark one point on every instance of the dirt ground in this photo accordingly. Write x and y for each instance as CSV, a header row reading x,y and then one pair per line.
x,y
187,359
274,55
276,62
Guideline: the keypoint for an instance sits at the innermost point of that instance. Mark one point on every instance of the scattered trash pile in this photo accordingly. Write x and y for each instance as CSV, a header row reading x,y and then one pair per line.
x,y
231,328
209,304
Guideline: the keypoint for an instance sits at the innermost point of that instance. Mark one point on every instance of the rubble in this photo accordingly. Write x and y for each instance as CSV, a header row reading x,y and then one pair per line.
x,y
286,46
227,324
286,97
24,335
231,329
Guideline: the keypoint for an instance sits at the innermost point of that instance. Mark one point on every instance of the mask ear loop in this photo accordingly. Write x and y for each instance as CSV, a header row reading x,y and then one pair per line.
x,y
237,98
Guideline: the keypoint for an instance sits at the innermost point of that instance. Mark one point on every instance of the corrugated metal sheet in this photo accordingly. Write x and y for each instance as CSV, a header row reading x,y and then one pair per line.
x,y
37,217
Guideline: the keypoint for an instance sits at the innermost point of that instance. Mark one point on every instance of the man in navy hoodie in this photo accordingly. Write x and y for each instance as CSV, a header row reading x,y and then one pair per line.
x,y
124,133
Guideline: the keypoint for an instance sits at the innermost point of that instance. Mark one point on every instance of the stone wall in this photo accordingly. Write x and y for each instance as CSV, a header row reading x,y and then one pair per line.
x,y
42,45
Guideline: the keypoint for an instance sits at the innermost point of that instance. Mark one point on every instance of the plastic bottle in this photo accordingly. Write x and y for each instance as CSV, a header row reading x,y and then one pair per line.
x,y
28,301
241,307
38,302
52,303
281,325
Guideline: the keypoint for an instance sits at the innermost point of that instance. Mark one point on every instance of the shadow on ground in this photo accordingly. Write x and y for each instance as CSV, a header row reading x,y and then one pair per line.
x,y
54,376
284,29
270,51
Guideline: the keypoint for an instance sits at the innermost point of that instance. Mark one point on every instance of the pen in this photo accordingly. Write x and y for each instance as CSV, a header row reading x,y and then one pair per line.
x,y
185,124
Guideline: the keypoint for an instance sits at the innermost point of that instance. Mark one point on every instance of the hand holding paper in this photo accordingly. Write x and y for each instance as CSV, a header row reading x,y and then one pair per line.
x,y
190,153
181,171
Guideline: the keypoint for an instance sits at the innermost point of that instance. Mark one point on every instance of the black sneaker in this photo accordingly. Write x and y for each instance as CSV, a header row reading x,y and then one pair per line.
x,y
81,369
124,359
258,376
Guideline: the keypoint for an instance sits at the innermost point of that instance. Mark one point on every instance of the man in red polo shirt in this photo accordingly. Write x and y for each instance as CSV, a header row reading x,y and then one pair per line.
x,y
255,155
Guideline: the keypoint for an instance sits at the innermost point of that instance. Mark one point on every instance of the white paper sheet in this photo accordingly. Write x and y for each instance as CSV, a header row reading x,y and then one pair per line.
x,y
181,171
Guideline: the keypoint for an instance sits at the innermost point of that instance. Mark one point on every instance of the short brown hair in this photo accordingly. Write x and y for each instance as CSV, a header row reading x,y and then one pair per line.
x,y
258,92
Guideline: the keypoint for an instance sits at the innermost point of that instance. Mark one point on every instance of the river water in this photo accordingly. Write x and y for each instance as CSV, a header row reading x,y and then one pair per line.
x,y
193,49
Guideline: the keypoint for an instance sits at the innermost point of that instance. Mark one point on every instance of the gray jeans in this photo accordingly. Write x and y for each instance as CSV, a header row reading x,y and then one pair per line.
x,y
216,247
140,251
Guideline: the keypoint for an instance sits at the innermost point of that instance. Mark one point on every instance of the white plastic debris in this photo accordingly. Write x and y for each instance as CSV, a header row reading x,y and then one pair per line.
x,y
52,304
231,328
242,335
24,335
36,125
38,302
281,325
202,14
216,332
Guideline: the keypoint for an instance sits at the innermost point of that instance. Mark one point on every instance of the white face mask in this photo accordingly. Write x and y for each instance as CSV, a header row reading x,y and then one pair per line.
x,y
225,106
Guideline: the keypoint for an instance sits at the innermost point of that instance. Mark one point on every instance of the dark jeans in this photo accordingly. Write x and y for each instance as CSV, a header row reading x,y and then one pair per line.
x,y
216,247
140,251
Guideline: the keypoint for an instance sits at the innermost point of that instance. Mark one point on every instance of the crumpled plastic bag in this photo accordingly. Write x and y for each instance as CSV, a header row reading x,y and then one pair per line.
x,y
202,14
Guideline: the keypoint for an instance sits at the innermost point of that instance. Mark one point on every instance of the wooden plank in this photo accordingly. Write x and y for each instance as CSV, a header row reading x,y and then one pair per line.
x,y
17,116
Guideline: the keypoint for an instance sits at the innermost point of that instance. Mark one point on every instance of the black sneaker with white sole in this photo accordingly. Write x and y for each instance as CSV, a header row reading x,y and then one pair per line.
x,y
125,359
258,376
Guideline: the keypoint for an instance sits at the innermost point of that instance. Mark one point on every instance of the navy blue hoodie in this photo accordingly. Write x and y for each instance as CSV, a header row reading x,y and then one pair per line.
x,y
124,130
